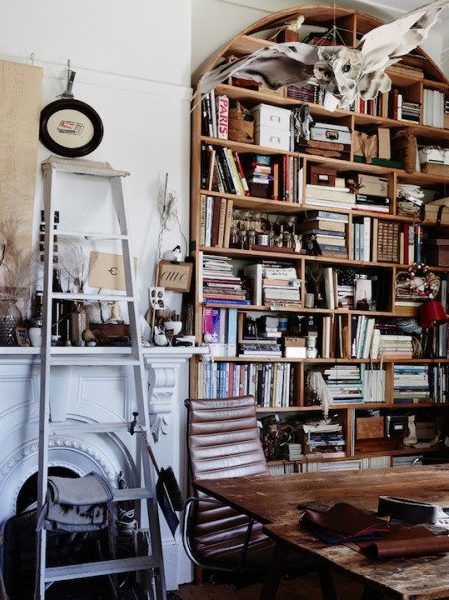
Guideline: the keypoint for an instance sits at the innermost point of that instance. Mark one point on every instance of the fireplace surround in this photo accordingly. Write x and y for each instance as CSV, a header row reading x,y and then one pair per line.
x,y
89,394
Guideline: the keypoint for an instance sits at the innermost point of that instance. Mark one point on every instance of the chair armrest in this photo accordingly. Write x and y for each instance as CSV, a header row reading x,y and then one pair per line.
x,y
187,523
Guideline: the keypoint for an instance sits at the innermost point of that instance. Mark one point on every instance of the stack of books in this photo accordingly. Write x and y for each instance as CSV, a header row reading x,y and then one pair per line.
x,y
345,384
411,111
392,345
369,107
310,92
273,284
323,439
433,108
259,173
345,296
372,193
270,384
411,384
220,285
332,196
328,230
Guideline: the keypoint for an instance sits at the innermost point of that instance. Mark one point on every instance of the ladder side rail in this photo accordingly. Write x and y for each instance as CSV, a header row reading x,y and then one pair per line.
x,y
44,406
141,389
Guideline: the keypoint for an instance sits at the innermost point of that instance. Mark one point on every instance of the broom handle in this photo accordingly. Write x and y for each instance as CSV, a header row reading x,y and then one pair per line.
x,y
150,451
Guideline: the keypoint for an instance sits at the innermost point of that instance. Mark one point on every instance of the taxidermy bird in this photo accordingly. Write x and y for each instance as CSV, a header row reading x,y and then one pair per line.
x,y
342,71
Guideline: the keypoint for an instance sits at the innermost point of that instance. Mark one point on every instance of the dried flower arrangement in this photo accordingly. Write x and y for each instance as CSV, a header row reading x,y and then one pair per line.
x,y
15,261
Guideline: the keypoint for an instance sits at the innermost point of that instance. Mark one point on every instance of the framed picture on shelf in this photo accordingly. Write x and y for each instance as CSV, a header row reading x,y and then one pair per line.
x,y
22,337
175,277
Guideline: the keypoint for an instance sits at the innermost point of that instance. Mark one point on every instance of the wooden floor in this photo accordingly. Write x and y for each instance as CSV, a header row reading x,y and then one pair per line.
x,y
303,588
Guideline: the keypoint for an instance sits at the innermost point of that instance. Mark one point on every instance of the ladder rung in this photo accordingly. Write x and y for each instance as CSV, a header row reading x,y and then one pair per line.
x,y
78,427
82,167
95,569
132,494
105,297
90,235
92,361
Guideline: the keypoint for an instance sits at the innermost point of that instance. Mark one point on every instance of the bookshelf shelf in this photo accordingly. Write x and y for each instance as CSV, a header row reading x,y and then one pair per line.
x,y
411,77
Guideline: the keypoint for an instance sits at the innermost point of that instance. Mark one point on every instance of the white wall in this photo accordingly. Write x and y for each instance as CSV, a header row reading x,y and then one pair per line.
x,y
133,66
231,16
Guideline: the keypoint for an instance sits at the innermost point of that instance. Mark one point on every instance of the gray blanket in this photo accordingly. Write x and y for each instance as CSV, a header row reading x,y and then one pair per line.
x,y
77,505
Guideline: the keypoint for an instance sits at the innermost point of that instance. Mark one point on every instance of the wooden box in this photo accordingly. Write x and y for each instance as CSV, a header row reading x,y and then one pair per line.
x,y
435,169
368,428
321,175
437,252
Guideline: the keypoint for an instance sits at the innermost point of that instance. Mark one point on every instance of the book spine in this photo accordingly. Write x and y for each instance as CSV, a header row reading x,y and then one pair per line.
x,y
223,117
241,174
228,223
215,221
221,222
234,172
203,221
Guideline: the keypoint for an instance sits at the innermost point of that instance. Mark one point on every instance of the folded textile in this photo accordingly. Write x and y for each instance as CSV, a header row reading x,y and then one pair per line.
x,y
76,505
344,523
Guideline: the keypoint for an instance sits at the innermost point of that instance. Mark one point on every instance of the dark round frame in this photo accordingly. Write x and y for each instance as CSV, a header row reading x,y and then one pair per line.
x,y
86,110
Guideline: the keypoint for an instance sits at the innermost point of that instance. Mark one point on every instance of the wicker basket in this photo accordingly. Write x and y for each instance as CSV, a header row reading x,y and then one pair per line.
x,y
241,124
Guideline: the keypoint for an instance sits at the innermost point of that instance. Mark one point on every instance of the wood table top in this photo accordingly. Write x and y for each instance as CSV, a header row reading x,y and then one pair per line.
x,y
421,578
274,498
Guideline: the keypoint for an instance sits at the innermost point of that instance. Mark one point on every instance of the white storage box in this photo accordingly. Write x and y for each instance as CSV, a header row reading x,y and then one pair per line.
x,y
275,117
272,138
438,156
329,132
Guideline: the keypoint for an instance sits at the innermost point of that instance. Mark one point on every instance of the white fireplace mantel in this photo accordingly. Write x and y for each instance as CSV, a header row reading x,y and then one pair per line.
x,y
103,393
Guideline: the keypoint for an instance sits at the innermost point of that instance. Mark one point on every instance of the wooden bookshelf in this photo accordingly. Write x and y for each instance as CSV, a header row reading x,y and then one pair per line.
x,y
354,24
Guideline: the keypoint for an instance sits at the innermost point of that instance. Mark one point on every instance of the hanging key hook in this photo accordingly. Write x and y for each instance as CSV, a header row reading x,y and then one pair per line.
x,y
70,80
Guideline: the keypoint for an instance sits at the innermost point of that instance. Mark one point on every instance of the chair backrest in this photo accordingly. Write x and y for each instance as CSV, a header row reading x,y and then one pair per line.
x,y
223,441
223,438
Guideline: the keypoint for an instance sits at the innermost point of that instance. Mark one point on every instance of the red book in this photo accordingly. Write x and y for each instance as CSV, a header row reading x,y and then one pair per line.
x,y
238,164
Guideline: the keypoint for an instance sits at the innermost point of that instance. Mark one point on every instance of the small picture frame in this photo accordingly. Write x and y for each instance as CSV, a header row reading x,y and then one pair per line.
x,y
22,337
175,277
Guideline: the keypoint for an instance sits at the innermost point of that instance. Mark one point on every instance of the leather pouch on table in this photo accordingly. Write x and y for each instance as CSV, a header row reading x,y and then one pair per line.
x,y
406,542
344,523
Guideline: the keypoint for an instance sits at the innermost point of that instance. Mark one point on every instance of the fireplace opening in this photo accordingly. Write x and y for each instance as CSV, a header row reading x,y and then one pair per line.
x,y
62,549
28,492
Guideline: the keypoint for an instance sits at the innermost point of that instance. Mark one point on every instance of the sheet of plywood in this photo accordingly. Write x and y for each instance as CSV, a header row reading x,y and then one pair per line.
x,y
20,106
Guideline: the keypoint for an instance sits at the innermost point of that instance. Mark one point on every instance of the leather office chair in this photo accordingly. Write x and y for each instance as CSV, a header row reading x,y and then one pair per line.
x,y
223,441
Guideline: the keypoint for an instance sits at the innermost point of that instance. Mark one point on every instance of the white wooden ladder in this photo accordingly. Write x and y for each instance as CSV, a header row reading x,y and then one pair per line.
x,y
152,562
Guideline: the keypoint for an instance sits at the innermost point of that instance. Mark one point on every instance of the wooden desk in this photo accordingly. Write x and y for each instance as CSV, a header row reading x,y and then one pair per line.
x,y
273,500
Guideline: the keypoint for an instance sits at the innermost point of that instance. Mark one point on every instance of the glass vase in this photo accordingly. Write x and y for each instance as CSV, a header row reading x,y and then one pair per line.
x,y
10,318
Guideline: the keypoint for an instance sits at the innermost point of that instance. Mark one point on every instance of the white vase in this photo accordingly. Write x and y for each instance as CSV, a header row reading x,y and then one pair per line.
x,y
35,335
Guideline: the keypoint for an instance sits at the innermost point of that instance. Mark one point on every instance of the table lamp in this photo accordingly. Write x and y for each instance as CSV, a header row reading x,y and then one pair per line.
x,y
430,315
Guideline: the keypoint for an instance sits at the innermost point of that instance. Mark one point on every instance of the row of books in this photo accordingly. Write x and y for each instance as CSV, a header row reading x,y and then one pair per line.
x,y
216,215
272,385
215,115
258,175
220,284
434,108
378,340
311,93
376,240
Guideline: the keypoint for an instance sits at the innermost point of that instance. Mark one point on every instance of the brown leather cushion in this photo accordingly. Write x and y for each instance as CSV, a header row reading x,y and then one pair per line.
x,y
224,442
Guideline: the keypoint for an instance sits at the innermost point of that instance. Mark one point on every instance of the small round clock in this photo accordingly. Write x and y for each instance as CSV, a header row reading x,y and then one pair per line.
x,y
70,128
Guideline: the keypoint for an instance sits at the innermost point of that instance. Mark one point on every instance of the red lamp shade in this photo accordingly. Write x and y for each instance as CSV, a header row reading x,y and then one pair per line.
x,y
431,313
